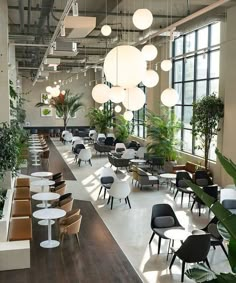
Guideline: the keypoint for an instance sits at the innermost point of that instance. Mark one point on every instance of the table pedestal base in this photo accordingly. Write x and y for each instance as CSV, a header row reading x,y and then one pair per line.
x,y
45,222
49,244
42,205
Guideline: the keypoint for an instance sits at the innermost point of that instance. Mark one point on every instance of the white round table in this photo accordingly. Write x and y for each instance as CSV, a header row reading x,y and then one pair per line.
x,y
138,161
43,174
35,153
42,183
49,214
45,197
168,177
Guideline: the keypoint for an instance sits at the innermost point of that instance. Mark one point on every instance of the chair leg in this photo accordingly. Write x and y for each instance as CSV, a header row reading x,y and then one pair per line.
x,y
108,200
90,162
224,250
79,161
182,196
207,263
77,237
182,275
105,191
100,191
192,205
199,209
128,202
153,234
172,261
159,245
111,202
176,194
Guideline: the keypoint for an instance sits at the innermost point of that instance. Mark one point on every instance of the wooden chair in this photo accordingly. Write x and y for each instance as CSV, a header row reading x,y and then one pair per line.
x,y
70,226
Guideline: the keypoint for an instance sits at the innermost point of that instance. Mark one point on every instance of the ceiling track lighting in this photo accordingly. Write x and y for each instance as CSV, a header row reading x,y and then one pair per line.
x,y
63,30
75,9
74,46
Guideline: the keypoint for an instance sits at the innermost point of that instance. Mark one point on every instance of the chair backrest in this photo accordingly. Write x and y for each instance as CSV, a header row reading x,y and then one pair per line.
x,y
57,177
108,171
111,135
211,190
66,204
195,248
46,154
60,189
101,140
120,147
180,176
101,136
76,140
107,180
119,189
229,203
72,224
109,141
68,136
140,152
65,196
129,153
85,154
78,147
229,193
202,178
162,210
64,132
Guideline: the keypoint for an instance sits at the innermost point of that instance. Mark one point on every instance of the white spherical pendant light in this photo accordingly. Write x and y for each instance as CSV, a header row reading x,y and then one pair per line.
x,y
169,97
117,108
63,92
142,19
124,66
101,93
134,99
149,52
101,107
106,30
117,94
128,115
48,89
151,78
166,65
55,91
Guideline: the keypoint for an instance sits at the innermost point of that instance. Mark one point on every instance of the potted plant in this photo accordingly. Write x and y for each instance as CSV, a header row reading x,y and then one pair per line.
x,y
99,119
122,128
226,227
207,114
66,105
161,132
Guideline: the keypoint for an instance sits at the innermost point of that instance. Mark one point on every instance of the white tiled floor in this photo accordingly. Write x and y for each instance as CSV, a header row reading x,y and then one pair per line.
x,y
131,227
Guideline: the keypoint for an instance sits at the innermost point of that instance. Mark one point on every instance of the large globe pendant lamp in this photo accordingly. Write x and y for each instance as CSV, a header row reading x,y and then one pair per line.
x,y
48,89
124,66
117,94
106,30
134,99
149,52
117,108
169,97
101,93
142,19
166,65
128,115
55,91
151,78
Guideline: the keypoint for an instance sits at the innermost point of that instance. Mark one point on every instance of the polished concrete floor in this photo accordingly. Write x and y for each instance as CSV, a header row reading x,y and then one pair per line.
x,y
131,227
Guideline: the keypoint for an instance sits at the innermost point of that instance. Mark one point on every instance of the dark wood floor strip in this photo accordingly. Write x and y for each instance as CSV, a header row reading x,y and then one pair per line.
x,y
98,259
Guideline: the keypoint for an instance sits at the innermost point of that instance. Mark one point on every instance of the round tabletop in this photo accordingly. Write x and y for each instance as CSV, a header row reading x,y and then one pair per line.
x,y
49,213
42,182
42,174
168,175
177,234
36,150
35,146
138,160
45,196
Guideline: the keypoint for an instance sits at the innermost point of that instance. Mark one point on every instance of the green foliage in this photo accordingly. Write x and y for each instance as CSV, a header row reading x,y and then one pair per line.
x,y
65,105
99,119
161,131
12,140
46,111
2,200
122,128
227,225
207,114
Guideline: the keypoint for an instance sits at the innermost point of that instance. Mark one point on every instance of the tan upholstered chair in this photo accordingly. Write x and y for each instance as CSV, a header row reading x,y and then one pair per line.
x,y
66,204
70,226
68,215
59,188
146,179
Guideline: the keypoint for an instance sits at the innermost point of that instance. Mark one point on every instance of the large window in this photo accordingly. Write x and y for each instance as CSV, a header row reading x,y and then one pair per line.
x,y
195,74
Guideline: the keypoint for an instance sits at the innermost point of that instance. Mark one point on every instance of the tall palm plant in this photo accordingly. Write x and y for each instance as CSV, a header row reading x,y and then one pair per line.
x,y
66,105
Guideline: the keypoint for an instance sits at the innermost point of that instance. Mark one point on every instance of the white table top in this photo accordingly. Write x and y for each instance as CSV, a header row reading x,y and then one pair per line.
x,y
42,174
42,182
45,196
138,160
36,150
168,175
49,213
35,146
177,234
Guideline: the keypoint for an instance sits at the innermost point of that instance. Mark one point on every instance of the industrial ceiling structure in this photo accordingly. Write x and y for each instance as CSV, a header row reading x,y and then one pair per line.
x,y
35,28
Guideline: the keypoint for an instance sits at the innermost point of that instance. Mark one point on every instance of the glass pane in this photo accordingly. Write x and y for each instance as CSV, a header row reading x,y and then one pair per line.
x,y
135,133
189,69
197,151
178,71
200,89
188,93
215,64
190,42
215,34
178,111
179,46
202,66
188,113
187,140
178,88
212,155
214,86
202,38
178,137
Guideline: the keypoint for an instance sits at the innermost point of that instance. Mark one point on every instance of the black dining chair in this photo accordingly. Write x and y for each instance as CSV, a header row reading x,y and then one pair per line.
x,y
181,186
194,249
202,178
163,218
211,190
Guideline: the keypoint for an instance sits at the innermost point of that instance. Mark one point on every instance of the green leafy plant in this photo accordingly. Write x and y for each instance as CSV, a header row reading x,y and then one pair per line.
x,y
99,119
207,114
46,111
65,105
161,131
2,201
226,227
122,128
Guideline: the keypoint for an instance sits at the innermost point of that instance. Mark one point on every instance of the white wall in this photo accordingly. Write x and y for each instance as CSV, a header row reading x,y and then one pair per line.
x,y
77,86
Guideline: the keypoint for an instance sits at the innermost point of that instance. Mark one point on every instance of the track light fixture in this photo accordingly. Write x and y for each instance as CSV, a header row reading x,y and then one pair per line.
x,y
63,30
75,9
